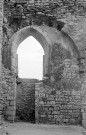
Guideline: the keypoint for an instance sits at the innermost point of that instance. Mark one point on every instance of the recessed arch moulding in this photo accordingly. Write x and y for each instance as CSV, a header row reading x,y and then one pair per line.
x,y
47,37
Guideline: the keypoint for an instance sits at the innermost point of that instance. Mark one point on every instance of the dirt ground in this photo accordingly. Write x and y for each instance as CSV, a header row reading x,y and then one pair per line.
x,y
20,128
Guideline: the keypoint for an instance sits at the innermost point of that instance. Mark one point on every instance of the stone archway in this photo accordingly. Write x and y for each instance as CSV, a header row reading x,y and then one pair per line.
x,y
14,43
23,34
47,37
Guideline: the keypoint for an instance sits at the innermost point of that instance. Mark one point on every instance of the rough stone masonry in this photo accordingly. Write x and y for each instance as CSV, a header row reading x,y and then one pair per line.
x,y
60,27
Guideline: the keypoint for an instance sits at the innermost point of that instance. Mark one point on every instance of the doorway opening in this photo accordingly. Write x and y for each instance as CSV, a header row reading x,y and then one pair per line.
x,y
30,71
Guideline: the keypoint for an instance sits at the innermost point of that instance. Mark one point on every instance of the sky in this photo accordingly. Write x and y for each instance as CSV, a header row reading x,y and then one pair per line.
x,y
30,59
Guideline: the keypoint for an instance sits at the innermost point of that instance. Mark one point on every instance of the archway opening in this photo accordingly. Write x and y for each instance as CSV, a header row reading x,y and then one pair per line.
x,y
30,70
30,59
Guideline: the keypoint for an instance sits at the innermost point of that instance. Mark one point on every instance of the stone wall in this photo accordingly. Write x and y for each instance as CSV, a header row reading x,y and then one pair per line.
x,y
8,94
64,100
25,101
1,33
61,103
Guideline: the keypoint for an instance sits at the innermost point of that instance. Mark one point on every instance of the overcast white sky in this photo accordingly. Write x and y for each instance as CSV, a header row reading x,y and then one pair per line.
x,y
30,59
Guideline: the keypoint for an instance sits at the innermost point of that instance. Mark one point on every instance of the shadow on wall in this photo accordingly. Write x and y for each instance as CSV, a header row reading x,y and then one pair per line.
x,y
25,100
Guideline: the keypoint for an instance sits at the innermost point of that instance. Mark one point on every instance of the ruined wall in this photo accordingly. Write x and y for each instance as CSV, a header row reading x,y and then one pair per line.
x,y
58,98
61,103
8,94
69,90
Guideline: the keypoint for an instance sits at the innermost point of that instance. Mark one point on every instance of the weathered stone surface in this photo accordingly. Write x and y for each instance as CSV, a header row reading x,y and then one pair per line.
x,y
8,93
64,105
61,97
